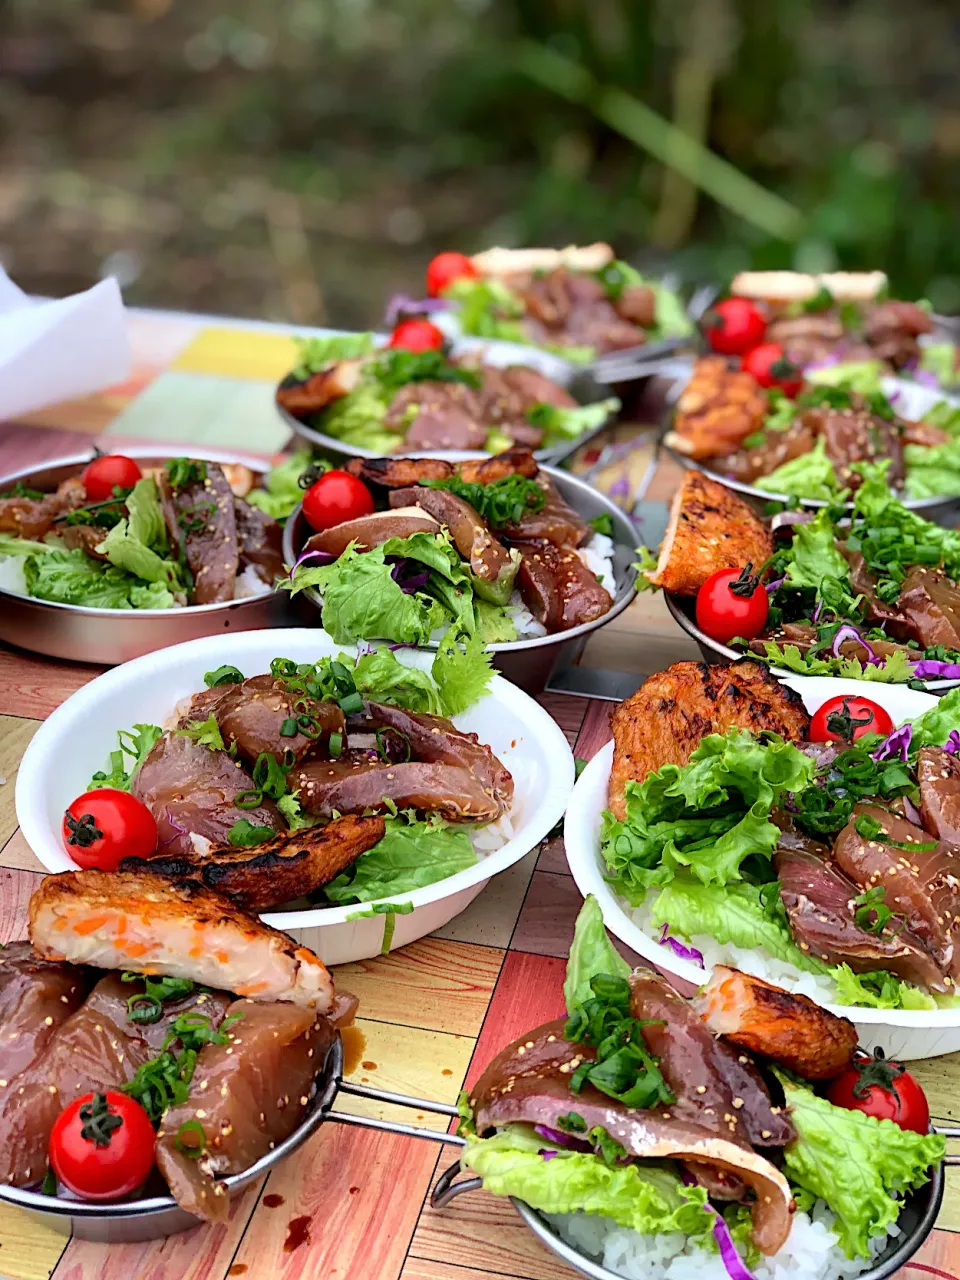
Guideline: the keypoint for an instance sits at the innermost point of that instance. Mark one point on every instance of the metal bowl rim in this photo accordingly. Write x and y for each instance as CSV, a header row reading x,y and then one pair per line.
x,y
679,615
622,599
144,452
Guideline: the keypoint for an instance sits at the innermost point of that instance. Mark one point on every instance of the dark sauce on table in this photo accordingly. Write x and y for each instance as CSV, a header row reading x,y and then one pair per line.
x,y
298,1233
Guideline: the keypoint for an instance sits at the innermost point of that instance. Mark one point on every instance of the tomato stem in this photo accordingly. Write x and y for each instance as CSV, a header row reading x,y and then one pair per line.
x,y
83,830
746,584
845,724
98,1121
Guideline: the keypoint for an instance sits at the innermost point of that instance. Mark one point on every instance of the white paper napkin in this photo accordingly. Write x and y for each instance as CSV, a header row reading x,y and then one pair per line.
x,y
52,351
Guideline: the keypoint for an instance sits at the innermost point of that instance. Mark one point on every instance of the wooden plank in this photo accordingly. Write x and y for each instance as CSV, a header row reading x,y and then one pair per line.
x,y
15,890
15,735
427,1269
567,711
29,1250
204,1252
434,983
596,732
491,917
18,855
530,991
345,1208
939,1256
34,686
553,858
549,911
27,446
938,1076
421,1064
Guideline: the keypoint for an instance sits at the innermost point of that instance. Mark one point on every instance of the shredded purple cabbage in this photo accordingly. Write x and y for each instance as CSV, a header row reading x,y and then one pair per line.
x,y
816,613
736,1267
896,745
548,1155
558,1137
926,378
851,633
678,948
324,557
409,575
401,305
952,744
911,811
775,586
934,669
177,830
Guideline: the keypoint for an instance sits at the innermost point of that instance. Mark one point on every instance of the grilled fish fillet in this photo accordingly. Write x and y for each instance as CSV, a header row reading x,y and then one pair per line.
x,y
277,871
664,721
716,411
130,920
710,528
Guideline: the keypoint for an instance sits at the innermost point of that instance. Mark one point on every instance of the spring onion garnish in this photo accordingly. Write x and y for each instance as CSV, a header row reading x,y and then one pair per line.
x,y
197,1144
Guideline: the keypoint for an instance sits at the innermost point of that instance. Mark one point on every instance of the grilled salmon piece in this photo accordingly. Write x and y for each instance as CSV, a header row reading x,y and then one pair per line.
x,y
277,871
246,1097
665,720
399,473
717,409
766,1020
513,462
131,920
710,528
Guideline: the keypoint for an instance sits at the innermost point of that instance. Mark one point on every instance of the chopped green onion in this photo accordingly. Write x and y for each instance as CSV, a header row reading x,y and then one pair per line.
x,y
289,727
194,1150
223,675
351,704
335,746
249,799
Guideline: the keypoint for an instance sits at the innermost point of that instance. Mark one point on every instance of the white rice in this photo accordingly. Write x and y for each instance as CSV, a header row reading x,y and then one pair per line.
x,y
819,987
249,583
812,1250
597,555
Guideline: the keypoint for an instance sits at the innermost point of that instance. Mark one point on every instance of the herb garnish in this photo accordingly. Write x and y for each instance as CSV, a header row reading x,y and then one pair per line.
x,y
603,524
146,1007
193,1130
624,1068
572,1122
223,675
269,779
872,913
20,490
826,806
184,471
244,835
395,368
506,501
165,1079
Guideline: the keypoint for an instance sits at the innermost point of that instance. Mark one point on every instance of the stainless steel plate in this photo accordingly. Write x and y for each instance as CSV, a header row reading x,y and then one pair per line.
x,y
529,663
111,636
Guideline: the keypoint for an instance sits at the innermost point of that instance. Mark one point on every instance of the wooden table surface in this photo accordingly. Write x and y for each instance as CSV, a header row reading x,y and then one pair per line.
x,y
352,1204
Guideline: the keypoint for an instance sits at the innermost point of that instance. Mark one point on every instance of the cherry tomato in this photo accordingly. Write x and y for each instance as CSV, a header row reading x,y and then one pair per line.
x,y
102,474
101,1146
882,1089
771,368
417,334
447,267
734,326
846,718
732,603
101,827
337,496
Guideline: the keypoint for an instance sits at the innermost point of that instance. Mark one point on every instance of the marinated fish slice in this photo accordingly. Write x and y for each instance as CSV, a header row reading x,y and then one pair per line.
x,y
939,776
788,1028
36,996
529,1082
126,920
921,882
302,397
556,522
246,1096
97,1048
665,720
349,785
710,528
259,542
273,873
437,740
819,902
33,517
714,1086
367,532
202,523
488,558
254,715
191,790
558,588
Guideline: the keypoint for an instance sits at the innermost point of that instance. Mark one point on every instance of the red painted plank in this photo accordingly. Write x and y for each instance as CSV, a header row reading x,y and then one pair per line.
x,y
530,992
595,730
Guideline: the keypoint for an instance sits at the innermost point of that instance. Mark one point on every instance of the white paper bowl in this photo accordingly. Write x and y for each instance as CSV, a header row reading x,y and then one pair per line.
x,y
901,1033
78,737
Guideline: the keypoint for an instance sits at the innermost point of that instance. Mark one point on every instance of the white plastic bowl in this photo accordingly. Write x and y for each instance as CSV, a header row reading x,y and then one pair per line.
x,y
901,1033
78,737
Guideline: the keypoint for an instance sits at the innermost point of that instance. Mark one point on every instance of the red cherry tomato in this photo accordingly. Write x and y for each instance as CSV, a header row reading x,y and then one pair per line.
x,y
734,326
771,368
447,267
337,496
101,827
846,718
416,334
732,603
101,1146
102,474
882,1089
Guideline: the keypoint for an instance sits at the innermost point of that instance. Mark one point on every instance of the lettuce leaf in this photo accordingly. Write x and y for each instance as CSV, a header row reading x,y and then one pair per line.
x,y
643,1197
862,376
568,423
854,1163
880,990
488,309
672,318
895,669
733,915
709,814
940,359
145,517
281,492
876,507
814,555
591,953
136,743
72,577
126,551
932,472
357,419
315,354
11,545
409,856
812,475
932,728
462,670
494,625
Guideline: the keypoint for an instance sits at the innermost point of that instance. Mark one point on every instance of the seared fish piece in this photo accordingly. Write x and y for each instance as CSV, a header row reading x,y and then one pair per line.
x,y
939,776
529,1082
202,523
665,720
36,996
97,1048
399,473
788,1028
356,784
710,528
486,555
717,409
277,871
514,462
125,920
246,1096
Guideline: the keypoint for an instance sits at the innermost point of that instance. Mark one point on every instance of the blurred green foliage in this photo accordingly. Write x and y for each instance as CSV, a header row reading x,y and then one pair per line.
x,y
301,159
